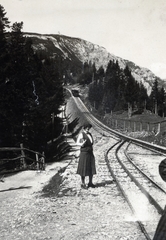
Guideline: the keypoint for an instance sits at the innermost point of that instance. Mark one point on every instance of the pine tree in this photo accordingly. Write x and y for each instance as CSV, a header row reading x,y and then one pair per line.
x,y
30,90
112,78
121,102
161,101
4,24
100,74
142,98
49,90
154,97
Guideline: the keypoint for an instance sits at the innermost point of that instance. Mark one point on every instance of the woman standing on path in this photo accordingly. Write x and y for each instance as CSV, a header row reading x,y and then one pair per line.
x,y
86,164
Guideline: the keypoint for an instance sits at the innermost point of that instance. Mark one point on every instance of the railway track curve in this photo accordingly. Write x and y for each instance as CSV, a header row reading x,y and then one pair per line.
x,y
143,194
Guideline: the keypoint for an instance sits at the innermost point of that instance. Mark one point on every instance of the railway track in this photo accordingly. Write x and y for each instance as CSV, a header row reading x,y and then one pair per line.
x,y
144,195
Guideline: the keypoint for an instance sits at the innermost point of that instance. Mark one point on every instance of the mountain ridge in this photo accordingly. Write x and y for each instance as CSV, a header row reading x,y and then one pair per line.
x,y
80,50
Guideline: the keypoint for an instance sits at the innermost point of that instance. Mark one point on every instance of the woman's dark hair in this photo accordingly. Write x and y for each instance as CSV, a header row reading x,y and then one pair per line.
x,y
87,125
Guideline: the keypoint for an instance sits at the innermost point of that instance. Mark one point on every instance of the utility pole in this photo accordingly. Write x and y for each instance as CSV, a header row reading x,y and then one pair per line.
x,y
155,112
145,105
163,109
129,110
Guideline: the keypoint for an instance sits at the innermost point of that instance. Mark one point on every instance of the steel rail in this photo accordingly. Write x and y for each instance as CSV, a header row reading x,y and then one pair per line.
x,y
144,174
140,224
154,147
121,140
150,198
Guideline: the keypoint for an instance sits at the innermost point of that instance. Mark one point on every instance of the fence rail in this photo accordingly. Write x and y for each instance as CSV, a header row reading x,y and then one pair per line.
x,y
21,159
128,125
134,126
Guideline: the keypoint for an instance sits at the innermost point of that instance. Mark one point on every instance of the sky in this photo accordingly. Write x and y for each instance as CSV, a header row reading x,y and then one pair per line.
x,y
131,29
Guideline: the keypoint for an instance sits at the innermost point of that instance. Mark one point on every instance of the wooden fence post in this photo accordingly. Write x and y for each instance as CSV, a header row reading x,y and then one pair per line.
x,y
140,126
124,125
37,161
23,163
116,124
148,127
134,126
129,125
43,161
159,127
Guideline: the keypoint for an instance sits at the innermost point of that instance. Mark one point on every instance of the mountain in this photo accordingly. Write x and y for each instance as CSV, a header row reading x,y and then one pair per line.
x,y
80,51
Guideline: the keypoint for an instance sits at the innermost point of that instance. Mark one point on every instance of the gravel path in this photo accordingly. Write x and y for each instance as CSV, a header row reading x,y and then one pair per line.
x,y
51,204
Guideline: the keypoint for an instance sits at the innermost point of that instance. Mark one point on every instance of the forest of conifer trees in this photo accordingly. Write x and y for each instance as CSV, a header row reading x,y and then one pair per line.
x,y
31,90
115,89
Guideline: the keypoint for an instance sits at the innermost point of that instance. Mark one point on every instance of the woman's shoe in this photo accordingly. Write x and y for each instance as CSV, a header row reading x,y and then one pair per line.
x,y
91,185
84,186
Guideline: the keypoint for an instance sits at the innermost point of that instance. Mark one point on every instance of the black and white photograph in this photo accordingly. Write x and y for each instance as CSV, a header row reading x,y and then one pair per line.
x,y
83,119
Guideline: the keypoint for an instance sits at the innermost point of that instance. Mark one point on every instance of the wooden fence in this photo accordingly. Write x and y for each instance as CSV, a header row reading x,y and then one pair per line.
x,y
21,159
134,126
127,125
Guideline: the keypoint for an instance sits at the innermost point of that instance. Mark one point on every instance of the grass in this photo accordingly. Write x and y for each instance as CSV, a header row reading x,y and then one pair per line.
x,y
149,121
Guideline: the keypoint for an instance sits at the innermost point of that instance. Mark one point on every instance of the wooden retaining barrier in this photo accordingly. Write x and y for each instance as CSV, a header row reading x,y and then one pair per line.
x,y
27,159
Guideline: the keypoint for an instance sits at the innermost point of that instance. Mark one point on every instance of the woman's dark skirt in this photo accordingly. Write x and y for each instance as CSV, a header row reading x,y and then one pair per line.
x,y
86,164
160,233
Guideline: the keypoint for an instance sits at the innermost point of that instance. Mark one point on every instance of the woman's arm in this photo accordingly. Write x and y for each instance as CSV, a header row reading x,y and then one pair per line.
x,y
80,140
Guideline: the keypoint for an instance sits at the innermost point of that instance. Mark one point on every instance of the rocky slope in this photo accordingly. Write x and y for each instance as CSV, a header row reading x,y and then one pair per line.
x,y
80,51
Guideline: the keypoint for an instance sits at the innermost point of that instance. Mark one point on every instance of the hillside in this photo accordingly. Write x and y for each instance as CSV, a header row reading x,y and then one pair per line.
x,y
79,51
